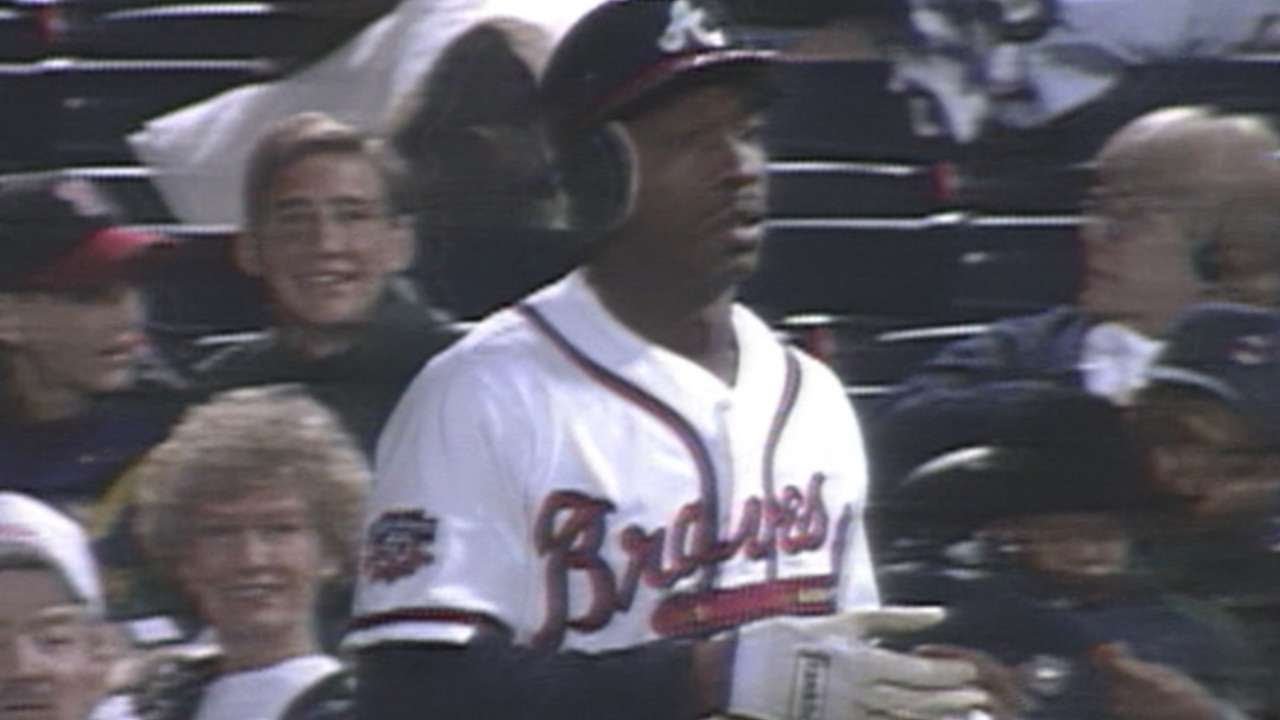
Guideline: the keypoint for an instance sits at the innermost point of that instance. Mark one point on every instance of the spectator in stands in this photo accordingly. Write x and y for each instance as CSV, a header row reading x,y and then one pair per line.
x,y
55,648
480,169
1184,208
480,158
1032,513
82,396
324,234
71,332
1212,416
250,506
1213,389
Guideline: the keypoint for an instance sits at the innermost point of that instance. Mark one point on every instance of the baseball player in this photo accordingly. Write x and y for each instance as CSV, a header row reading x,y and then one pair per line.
x,y
623,495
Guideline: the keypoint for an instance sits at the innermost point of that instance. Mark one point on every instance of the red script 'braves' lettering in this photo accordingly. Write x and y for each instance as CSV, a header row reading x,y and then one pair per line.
x,y
572,528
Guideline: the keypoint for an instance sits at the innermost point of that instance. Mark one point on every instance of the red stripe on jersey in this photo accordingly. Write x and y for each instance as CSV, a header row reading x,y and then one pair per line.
x,y
700,613
790,391
664,413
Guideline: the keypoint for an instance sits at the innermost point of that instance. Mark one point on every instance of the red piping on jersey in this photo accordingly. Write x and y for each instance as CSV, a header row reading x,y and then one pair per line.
x,y
790,391
659,73
427,615
664,413
700,613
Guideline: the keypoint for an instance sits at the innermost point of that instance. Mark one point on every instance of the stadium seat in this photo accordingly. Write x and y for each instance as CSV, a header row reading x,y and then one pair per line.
x,y
103,100
824,188
20,38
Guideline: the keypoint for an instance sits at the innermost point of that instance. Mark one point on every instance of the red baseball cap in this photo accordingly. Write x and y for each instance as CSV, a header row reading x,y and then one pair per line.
x,y
63,234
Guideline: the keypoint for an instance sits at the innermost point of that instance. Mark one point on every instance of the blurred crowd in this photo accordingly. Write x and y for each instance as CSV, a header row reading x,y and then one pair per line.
x,y
1093,491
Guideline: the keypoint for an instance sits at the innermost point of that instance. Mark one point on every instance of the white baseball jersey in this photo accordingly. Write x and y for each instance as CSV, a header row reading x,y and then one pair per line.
x,y
557,475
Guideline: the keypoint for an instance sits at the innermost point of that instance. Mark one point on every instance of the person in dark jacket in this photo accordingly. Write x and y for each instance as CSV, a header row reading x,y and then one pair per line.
x,y
82,393
1211,416
1028,525
1183,210
325,235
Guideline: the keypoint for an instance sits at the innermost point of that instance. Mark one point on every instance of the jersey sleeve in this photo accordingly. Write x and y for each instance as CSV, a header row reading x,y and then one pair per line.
x,y
494,680
445,547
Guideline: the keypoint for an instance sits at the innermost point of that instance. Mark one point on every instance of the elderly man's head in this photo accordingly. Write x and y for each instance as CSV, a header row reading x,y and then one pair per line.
x,y
1184,208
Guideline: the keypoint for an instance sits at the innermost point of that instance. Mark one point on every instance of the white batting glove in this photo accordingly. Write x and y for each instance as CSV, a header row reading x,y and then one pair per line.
x,y
826,669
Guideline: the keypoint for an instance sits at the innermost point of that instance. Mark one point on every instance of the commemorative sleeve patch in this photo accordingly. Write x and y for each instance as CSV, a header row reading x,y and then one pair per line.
x,y
398,544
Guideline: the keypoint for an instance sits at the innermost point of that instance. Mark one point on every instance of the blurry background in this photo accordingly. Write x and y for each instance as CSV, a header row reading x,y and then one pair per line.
x,y
912,200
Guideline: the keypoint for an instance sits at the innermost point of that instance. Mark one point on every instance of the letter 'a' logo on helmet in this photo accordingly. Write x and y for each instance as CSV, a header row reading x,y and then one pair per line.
x,y
690,28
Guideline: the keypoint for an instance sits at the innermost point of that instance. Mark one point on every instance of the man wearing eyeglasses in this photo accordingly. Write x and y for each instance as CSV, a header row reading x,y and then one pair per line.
x,y
1183,210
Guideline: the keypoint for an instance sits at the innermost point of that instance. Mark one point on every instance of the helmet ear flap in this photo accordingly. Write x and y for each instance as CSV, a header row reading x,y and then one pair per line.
x,y
600,174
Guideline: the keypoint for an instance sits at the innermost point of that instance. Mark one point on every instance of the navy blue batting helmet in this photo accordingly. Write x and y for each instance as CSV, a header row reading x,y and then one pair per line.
x,y
626,50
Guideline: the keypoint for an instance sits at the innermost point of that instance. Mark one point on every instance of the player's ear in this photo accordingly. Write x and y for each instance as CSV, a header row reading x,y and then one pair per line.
x,y
627,166
600,173
246,248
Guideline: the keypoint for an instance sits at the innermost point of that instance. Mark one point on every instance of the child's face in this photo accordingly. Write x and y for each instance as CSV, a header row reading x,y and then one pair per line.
x,y
1073,548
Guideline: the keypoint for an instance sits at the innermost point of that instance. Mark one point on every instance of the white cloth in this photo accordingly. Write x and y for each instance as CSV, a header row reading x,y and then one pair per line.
x,y
265,693
199,151
1115,360
506,452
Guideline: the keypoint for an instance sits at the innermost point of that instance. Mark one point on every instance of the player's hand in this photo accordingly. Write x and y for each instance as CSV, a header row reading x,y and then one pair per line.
x,y
1139,690
825,668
